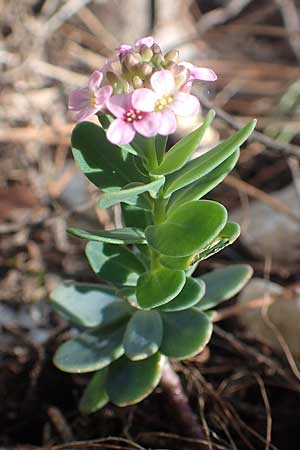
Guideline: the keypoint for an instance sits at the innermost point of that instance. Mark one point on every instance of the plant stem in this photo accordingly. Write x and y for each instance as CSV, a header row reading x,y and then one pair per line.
x,y
151,154
179,404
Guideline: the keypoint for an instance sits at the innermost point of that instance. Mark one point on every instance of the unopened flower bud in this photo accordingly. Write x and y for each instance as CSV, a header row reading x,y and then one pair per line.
x,y
172,67
146,53
158,59
111,77
172,55
146,69
182,75
156,49
137,82
132,60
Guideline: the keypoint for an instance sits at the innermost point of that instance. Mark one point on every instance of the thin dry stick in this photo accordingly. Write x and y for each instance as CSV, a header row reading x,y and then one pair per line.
x,y
278,147
179,404
267,408
253,191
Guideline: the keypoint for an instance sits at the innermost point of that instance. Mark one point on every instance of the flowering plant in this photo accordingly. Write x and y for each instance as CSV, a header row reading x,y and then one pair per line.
x,y
151,308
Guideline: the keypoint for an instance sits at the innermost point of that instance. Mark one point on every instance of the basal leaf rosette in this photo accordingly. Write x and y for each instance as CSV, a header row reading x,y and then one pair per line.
x,y
144,306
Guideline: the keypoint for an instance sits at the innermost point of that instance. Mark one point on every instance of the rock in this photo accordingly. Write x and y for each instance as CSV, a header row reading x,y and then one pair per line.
x,y
283,313
266,232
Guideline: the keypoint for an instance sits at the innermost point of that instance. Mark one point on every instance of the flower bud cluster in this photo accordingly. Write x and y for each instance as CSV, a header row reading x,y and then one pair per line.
x,y
143,89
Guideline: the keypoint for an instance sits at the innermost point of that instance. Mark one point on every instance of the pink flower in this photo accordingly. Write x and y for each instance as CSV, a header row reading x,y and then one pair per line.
x,y
165,101
148,41
197,73
124,49
129,120
88,101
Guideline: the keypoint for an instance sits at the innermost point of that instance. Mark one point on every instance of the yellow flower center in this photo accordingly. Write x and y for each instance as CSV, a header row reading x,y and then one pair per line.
x,y
163,102
93,101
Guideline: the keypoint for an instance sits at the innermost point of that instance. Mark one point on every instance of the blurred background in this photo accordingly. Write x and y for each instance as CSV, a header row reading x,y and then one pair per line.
x,y
245,387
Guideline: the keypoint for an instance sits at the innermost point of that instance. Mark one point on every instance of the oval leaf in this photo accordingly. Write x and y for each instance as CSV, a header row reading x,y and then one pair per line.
x,y
183,149
190,295
104,164
187,229
129,382
118,236
204,164
89,305
90,351
186,333
143,335
114,263
223,284
159,287
94,396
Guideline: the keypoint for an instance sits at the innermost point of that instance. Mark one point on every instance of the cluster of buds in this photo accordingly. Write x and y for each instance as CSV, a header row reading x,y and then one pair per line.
x,y
143,89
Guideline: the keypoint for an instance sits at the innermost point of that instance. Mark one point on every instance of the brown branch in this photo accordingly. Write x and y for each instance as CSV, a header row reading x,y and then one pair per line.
x,y
278,147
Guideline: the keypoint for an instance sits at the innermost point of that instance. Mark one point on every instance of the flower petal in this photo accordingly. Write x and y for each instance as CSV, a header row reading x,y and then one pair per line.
x,y
162,82
78,99
86,113
185,104
95,80
119,104
120,132
144,99
149,41
203,73
103,95
167,122
148,126
123,49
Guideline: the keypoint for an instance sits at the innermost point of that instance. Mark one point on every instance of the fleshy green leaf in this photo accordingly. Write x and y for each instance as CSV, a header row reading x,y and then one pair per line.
x,y
204,164
222,284
129,195
90,351
205,184
143,335
104,164
186,333
183,149
129,382
117,236
114,263
228,235
158,287
190,295
133,216
187,229
89,305
94,396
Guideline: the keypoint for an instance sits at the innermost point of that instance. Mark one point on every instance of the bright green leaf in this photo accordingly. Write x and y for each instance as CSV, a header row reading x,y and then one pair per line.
x,y
133,216
183,149
190,295
204,164
186,333
205,184
90,351
158,287
129,382
187,229
114,263
117,236
89,305
129,195
223,284
143,335
94,396
160,144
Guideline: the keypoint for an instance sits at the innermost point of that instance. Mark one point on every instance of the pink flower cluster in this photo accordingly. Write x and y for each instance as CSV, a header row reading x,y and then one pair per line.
x,y
142,89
